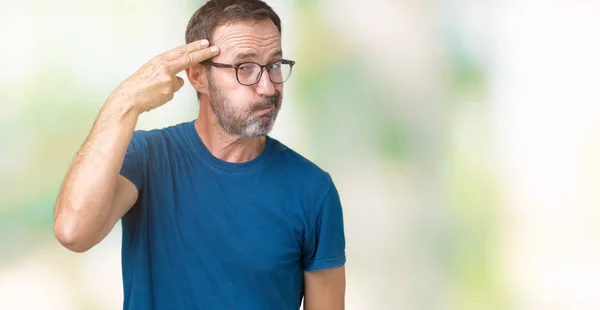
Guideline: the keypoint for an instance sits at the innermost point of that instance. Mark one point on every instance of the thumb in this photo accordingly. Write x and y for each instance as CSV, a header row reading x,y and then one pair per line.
x,y
180,83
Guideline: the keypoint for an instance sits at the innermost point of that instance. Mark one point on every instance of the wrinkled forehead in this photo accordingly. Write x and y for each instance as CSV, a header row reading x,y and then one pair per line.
x,y
258,41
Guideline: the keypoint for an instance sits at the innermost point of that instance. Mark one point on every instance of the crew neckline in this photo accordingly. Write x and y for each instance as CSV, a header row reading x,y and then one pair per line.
x,y
220,164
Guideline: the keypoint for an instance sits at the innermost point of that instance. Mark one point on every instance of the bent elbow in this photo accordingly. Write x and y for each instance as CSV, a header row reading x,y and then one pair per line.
x,y
69,236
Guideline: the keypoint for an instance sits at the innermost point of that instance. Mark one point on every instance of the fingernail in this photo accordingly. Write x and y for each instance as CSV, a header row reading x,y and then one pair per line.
x,y
214,49
204,43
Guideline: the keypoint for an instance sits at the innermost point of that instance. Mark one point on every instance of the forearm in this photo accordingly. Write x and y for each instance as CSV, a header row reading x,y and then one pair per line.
x,y
87,192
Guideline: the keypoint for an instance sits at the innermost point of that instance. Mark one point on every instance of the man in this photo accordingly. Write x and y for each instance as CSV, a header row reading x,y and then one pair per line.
x,y
215,213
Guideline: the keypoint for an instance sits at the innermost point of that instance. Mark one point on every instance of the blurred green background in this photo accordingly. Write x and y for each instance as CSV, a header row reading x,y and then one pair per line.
x,y
464,138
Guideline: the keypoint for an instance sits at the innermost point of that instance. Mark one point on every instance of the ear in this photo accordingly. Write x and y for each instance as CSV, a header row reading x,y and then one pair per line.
x,y
196,74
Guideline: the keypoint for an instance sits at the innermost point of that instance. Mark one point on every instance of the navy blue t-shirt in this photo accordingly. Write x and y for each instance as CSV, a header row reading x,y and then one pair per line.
x,y
209,234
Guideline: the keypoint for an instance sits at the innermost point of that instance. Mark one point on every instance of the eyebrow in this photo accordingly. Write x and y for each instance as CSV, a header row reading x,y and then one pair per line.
x,y
245,55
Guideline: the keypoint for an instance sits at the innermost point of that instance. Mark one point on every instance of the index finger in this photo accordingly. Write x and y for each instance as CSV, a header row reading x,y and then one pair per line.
x,y
187,60
184,49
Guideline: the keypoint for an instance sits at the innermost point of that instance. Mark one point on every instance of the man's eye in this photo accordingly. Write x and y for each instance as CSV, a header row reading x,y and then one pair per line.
x,y
245,67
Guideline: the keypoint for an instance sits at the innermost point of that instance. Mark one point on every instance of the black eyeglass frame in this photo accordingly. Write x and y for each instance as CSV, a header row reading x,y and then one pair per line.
x,y
269,66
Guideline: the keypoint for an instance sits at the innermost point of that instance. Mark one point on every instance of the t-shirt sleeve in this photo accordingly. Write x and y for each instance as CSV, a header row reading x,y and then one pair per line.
x,y
325,246
135,160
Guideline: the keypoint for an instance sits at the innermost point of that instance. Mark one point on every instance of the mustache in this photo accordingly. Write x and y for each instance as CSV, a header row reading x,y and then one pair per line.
x,y
273,100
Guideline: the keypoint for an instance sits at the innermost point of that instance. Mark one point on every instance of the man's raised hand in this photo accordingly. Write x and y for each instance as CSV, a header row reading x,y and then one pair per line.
x,y
156,82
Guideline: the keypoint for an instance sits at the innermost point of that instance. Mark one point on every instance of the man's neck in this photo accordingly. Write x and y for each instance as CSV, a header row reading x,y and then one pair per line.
x,y
228,148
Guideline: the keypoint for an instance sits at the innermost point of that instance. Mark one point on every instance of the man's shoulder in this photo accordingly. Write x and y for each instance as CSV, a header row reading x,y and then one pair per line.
x,y
161,136
298,164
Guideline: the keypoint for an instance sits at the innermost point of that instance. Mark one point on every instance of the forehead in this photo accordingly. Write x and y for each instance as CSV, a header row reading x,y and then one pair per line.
x,y
247,37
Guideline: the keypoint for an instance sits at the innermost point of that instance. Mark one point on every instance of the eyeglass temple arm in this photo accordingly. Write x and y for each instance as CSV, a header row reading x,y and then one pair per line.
x,y
218,65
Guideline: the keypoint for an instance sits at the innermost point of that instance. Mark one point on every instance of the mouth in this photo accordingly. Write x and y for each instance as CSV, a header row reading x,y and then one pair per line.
x,y
265,111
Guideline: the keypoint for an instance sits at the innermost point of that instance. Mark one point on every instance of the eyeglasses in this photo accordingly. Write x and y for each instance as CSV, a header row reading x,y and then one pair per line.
x,y
249,73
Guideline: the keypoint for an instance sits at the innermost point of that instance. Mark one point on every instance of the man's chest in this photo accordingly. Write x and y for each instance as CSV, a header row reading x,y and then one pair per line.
x,y
221,222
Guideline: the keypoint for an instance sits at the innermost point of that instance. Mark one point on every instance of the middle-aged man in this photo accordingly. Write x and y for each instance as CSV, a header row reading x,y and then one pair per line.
x,y
216,214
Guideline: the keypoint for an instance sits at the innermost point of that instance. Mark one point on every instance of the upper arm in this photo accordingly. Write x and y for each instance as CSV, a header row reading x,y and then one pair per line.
x,y
325,289
324,245
324,257
82,227
125,196
130,182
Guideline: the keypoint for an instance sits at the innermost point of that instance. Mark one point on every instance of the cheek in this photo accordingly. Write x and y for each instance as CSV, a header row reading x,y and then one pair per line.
x,y
279,89
230,88
224,79
242,97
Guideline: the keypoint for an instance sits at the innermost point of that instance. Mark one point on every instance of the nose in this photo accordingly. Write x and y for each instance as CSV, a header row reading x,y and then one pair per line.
x,y
265,87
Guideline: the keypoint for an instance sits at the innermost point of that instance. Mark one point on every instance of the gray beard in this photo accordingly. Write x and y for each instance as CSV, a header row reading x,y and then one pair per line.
x,y
237,122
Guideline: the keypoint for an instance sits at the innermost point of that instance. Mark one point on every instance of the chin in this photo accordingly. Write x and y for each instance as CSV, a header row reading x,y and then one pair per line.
x,y
256,130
